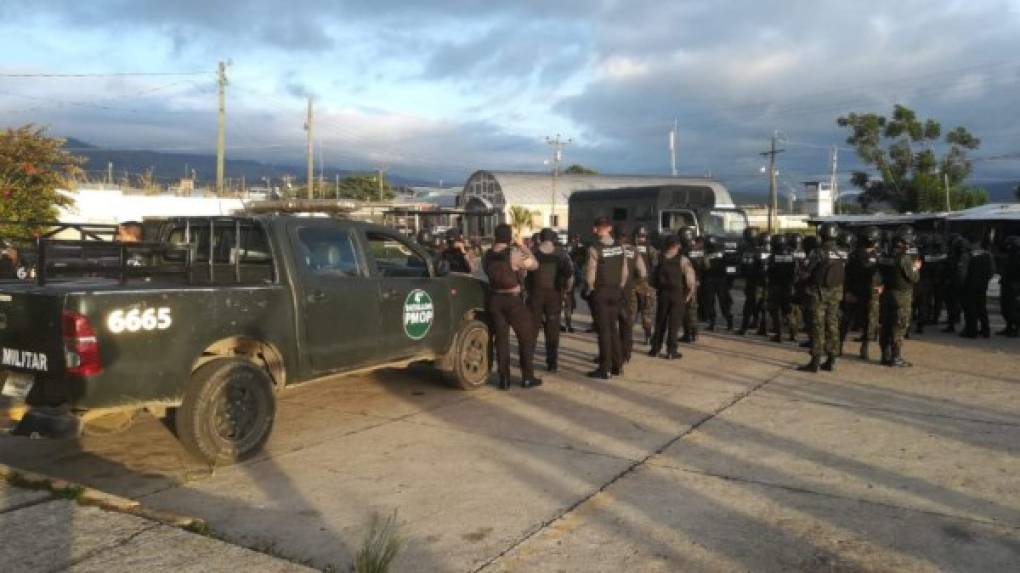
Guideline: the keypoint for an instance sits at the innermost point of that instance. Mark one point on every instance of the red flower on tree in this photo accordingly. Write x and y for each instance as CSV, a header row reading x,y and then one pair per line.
x,y
29,169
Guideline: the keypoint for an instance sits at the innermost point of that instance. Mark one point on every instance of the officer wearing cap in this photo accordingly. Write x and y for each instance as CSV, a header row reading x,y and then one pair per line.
x,y
456,254
674,279
643,300
504,264
605,277
546,285
824,273
900,272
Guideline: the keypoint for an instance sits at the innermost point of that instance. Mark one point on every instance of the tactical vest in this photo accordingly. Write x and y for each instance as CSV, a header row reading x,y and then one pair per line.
x,y
671,277
500,270
891,269
630,254
546,276
980,267
610,265
782,268
831,269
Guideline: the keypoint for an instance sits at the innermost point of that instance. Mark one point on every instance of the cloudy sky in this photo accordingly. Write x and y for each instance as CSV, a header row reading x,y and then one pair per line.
x,y
438,88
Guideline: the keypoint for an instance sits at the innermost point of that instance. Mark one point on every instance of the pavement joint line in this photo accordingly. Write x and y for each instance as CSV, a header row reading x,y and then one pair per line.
x,y
28,504
807,491
891,410
114,545
629,470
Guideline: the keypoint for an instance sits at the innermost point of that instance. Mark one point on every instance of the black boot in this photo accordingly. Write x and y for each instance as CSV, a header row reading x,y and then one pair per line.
x,y
810,366
776,338
729,322
552,366
711,325
897,359
864,351
531,382
503,383
653,352
806,344
887,359
648,338
830,364
673,355
599,374
949,328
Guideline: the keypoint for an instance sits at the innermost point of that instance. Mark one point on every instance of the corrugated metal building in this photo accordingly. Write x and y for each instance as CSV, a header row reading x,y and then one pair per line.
x,y
534,191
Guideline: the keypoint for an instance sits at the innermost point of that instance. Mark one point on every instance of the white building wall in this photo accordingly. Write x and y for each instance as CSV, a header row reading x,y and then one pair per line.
x,y
98,206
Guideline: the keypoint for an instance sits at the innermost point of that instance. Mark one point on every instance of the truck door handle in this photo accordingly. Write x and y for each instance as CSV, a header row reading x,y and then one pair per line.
x,y
317,296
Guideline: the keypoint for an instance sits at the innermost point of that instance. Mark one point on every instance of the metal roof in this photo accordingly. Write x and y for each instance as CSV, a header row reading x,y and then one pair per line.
x,y
989,212
528,187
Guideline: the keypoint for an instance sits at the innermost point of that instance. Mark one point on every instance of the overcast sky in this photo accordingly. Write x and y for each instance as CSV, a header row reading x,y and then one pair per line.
x,y
438,88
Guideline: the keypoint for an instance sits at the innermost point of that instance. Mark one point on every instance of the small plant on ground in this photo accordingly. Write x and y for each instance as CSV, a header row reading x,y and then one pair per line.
x,y
380,546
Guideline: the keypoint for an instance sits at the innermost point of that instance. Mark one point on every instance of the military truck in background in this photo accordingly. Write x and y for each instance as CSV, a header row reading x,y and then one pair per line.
x,y
219,316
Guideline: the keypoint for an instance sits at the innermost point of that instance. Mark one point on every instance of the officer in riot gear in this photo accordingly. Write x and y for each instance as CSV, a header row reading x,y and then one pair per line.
x,y
575,251
1009,295
863,287
900,272
717,283
952,285
824,273
804,304
977,267
690,249
927,305
546,285
752,269
503,264
782,275
674,279
642,303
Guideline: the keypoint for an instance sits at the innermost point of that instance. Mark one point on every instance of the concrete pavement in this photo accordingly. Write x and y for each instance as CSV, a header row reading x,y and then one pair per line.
x,y
725,460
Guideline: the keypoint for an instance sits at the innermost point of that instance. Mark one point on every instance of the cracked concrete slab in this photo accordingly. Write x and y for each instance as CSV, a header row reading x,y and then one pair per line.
x,y
12,498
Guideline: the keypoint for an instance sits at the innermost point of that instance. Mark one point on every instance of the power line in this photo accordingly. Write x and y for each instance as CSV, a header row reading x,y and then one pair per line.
x,y
104,75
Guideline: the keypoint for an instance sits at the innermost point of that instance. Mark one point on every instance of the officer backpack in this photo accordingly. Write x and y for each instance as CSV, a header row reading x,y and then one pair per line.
x,y
499,270
832,270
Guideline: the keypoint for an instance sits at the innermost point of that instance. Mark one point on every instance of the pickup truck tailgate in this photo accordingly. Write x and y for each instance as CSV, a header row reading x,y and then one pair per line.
x,y
30,335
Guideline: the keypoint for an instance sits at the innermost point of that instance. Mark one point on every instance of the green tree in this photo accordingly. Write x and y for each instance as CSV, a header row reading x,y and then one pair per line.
x,y
578,169
365,188
32,168
520,217
911,175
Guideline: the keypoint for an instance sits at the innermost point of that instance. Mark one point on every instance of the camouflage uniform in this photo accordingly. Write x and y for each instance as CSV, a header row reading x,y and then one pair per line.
x,y
898,280
642,299
692,312
825,270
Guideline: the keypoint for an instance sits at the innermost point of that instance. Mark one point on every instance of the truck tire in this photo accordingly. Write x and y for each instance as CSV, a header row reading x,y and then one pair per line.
x,y
471,356
227,413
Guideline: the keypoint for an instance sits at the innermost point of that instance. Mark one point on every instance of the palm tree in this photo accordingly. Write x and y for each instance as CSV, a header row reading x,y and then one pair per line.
x,y
520,217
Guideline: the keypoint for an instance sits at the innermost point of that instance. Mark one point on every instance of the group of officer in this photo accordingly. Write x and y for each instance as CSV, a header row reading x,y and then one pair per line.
x,y
828,284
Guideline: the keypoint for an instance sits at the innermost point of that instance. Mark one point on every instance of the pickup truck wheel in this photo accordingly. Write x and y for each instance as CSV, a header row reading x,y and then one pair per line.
x,y
227,412
471,356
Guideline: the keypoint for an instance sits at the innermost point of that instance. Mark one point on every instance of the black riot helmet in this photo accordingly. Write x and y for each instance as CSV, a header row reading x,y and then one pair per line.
x,y
765,240
871,236
845,239
795,241
620,232
712,244
641,234
547,234
751,235
828,232
810,243
779,243
1012,244
905,234
687,236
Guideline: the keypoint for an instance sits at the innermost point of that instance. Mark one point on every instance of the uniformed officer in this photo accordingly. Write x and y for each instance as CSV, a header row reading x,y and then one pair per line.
x,y
605,277
673,278
643,302
863,287
8,262
754,279
900,272
503,264
803,302
717,283
927,305
636,271
953,288
456,254
546,285
1009,295
977,267
573,248
782,275
824,272
764,254
694,253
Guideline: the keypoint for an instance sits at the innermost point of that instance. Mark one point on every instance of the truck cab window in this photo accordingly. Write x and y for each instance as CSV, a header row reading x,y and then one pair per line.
x,y
330,252
394,257
675,220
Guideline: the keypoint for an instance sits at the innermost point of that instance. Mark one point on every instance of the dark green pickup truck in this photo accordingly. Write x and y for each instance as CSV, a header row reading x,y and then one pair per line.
x,y
232,310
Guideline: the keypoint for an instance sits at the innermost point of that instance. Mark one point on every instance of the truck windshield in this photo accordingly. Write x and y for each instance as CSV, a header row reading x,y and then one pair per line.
x,y
724,222
676,220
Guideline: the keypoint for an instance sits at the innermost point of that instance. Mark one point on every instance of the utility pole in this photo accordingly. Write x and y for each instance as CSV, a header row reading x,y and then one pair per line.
x,y
557,144
311,159
833,182
945,179
773,192
672,149
379,177
109,173
221,129
338,186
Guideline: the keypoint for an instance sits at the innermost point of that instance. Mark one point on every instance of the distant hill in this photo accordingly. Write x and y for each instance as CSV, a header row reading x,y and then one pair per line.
x,y
169,167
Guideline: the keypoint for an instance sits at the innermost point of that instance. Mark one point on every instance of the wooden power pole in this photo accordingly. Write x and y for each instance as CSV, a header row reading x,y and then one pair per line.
x,y
311,169
773,187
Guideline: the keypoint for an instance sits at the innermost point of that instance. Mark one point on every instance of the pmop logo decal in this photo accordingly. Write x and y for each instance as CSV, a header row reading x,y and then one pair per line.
x,y
418,314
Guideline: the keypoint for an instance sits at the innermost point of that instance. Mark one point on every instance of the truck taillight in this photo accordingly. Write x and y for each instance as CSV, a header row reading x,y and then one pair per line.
x,y
81,348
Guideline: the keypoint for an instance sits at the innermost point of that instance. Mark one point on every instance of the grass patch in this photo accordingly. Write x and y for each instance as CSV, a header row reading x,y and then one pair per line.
x,y
381,545
200,527
72,493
